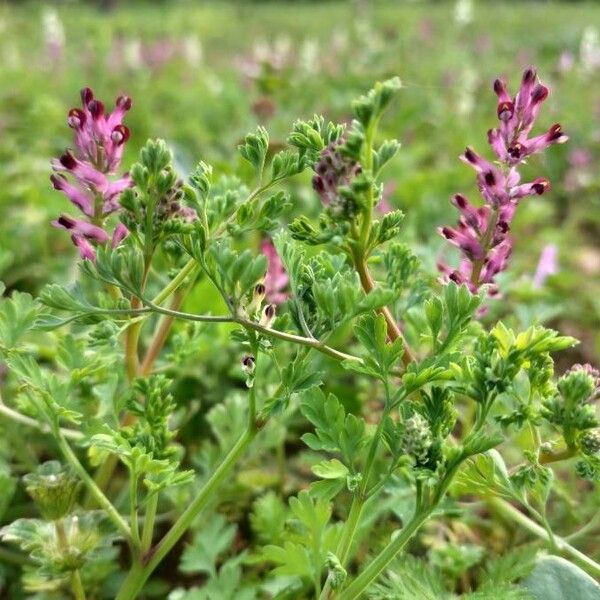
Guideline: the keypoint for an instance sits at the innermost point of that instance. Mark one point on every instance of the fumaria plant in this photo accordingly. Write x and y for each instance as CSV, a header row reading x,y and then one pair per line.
x,y
96,370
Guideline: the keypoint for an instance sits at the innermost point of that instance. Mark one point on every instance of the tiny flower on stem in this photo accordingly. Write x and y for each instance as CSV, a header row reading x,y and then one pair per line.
x,y
482,234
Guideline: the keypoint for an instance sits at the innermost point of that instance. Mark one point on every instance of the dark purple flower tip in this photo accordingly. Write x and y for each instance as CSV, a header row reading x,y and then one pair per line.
x,y
555,133
68,161
489,178
96,108
456,277
260,289
529,75
505,110
470,155
318,184
58,181
86,95
124,102
66,221
248,363
76,118
120,134
447,232
540,185
502,227
539,94
460,201
269,311
499,87
515,150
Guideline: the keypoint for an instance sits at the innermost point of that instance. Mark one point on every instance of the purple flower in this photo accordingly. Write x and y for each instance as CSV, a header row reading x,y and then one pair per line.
x,y
84,175
482,234
276,279
332,171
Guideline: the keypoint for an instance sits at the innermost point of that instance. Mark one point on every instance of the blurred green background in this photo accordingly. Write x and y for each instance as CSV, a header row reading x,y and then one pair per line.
x,y
202,74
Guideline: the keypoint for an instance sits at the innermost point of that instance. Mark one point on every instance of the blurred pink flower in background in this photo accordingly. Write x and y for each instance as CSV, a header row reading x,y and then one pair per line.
x,y
276,279
547,265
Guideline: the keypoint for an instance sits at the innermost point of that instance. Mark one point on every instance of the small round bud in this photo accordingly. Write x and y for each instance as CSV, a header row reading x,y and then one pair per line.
x,y
590,442
268,315
248,364
53,488
76,118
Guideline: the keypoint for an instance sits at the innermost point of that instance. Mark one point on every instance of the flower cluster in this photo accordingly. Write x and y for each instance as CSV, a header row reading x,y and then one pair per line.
x,y
99,141
483,232
333,171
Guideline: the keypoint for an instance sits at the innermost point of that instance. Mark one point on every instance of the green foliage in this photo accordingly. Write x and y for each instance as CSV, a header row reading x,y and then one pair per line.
x,y
477,410
411,578
335,431
555,578
17,316
201,555
310,137
254,149
382,356
307,542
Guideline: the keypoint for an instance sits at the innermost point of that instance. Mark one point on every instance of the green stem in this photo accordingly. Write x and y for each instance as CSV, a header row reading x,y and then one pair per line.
x,y
149,520
186,270
508,511
359,499
133,509
77,586
589,526
394,332
343,549
248,324
95,491
44,428
550,457
141,572
383,559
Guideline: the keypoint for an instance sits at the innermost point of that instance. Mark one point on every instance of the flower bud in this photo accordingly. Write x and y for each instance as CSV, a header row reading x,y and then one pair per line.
x,y
268,316
53,488
416,438
248,364
257,297
590,442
